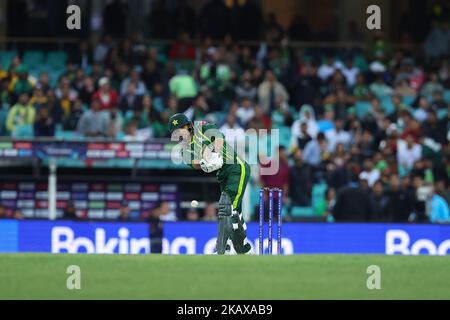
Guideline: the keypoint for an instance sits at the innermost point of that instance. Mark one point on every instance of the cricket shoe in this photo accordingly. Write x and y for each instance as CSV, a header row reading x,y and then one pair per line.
x,y
229,249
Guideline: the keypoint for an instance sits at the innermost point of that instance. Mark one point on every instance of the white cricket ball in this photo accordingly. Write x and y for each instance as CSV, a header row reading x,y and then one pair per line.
x,y
194,203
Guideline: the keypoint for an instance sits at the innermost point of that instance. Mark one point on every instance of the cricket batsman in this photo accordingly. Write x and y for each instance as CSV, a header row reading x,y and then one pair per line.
x,y
203,147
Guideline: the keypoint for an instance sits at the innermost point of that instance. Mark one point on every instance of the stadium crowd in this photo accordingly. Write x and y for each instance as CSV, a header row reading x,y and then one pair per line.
x,y
373,125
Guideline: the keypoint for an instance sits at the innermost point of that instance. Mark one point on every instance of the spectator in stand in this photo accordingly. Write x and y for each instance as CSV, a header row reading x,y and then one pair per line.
x,y
93,122
408,152
192,215
260,121
140,116
439,208
3,214
44,81
17,214
245,90
438,100
130,100
420,114
403,89
361,90
210,212
233,132
245,112
327,69
106,96
132,133
379,203
350,72
352,204
87,90
70,123
400,205
307,115
268,90
379,88
124,211
312,154
20,83
198,109
184,88
151,75
301,181
82,57
20,119
281,179
134,78
370,171
44,126
301,140
431,86
39,98
338,135
70,212
163,212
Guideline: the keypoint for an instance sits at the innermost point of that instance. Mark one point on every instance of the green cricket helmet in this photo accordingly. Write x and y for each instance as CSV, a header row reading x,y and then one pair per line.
x,y
177,121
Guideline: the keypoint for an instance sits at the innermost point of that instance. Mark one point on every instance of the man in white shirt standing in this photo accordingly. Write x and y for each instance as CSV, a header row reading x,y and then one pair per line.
x,y
408,152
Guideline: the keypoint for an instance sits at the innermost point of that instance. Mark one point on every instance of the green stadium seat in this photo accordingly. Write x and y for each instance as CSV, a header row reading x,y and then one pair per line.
x,y
220,117
32,59
302,212
285,136
387,105
6,58
362,108
447,96
442,113
361,63
408,100
56,60
66,135
54,76
318,193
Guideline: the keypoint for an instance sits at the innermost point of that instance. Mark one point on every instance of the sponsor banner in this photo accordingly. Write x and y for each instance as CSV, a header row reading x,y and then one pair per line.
x,y
314,238
154,150
97,197
83,237
200,237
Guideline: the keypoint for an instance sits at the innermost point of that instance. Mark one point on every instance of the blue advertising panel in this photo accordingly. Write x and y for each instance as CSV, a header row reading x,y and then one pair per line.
x,y
8,236
83,237
199,237
299,238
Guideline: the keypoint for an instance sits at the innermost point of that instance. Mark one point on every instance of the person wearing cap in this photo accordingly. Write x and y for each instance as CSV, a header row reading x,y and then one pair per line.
x,y
20,84
105,95
202,146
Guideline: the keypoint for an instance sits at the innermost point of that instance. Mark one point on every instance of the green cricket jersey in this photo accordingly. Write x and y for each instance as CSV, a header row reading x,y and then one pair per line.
x,y
234,174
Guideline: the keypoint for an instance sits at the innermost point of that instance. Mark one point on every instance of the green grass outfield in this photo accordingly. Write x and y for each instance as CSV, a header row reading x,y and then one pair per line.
x,y
43,276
